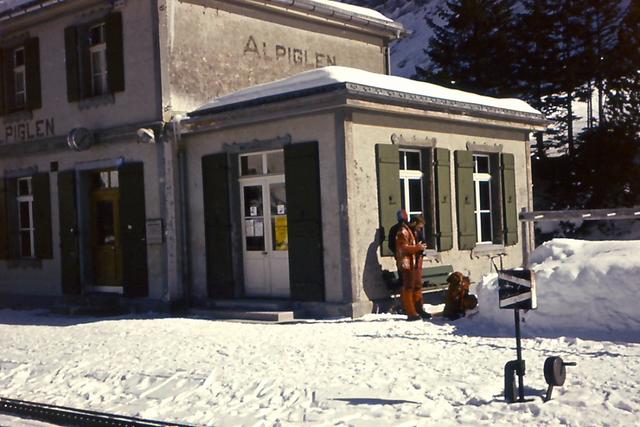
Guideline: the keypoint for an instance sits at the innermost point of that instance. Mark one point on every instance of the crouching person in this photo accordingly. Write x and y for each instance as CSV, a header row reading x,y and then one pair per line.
x,y
409,261
458,299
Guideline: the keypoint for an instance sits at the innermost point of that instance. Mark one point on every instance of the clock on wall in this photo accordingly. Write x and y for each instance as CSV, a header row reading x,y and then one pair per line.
x,y
80,139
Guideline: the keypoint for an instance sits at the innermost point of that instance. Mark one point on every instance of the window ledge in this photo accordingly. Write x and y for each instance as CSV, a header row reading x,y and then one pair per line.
x,y
432,255
96,101
25,264
488,250
18,116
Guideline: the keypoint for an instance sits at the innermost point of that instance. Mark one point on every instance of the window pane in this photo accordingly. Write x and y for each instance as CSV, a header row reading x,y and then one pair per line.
x,y
482,164
485,195
25,243
105,223
401,160
275,162
278,199
96,35
413,161
253,201
103,180
19,79
403,199
19,57
485,227
25,215
24,187
415,195
251,165
113,175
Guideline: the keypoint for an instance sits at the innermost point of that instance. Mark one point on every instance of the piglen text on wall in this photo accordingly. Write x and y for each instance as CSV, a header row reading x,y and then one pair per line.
x,y
28,129
290,54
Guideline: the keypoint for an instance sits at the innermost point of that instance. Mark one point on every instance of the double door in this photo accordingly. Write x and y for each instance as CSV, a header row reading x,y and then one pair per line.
x,y
265,237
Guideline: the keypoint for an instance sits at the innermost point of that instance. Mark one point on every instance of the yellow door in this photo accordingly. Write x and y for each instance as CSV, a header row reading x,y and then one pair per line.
x,y
105,237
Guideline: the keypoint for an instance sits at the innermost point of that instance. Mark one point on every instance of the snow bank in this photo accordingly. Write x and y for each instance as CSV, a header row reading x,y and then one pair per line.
x,y
585,289
335,74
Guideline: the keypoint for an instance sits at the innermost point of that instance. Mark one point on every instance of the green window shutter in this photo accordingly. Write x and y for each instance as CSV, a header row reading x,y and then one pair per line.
x,y
115,53
4,226
217,223
443,199
304,217
72,62
3,84
510,211
32,73
132,229
9,82
12,218
42,216
69,247
465,200
389,197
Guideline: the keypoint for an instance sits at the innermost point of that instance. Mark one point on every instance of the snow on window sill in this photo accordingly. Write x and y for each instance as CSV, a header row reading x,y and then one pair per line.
x,y
96,101
487,249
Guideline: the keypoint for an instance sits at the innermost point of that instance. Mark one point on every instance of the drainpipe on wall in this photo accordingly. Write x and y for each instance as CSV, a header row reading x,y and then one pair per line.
x,y
184,209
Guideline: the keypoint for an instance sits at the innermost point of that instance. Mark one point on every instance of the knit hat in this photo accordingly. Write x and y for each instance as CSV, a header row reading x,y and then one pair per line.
x,y
402,216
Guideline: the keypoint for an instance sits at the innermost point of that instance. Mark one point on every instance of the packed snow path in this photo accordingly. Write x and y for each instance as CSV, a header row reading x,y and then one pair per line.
x,y
380,370
375,372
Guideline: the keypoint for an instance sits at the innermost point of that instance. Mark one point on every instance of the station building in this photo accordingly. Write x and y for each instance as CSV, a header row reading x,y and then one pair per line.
x,y
171,153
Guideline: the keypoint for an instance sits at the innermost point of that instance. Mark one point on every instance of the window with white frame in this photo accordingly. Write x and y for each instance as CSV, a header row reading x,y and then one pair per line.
x,y
411,182
98,55
482,186
25,217
19,77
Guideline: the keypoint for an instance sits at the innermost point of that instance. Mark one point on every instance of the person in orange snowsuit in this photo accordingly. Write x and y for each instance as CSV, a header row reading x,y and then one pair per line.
x,y
409,262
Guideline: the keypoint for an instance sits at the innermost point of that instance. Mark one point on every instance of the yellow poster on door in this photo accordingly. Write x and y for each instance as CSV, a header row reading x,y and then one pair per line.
x,y
281,233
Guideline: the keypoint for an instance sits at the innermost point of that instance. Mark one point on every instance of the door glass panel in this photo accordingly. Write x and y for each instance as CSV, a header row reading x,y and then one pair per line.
x,y
25,243
279,228
253,218
251,164
105,230
275,162
482,164
253,201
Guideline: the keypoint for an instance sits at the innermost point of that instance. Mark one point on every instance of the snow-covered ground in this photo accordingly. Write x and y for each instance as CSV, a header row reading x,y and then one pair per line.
x,y
380,370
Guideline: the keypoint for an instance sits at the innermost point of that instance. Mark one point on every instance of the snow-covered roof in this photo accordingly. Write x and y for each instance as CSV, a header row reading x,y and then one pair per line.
x,y
6,5
340,77
328,8
359,10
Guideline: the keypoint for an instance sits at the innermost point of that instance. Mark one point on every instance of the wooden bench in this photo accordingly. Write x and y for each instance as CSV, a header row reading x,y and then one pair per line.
x,y
434,279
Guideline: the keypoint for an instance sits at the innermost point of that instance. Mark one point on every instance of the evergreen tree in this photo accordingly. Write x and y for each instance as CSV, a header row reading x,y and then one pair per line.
x,y
537,60
623,83
601,21
471,48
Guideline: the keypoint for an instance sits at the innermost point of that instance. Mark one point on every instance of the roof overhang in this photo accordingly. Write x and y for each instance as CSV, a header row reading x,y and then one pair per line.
x,y
362,97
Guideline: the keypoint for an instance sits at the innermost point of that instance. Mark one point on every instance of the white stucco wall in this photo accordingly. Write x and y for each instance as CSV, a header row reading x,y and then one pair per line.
x,y
25,278
320,128
220,48
137,103
369,130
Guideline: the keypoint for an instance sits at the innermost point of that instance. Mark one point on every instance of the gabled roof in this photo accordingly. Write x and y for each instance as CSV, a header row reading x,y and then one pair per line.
x,y
356,15
357,81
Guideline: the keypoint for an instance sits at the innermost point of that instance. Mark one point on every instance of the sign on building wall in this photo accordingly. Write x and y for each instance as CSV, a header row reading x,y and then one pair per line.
x,y
26,130
282,52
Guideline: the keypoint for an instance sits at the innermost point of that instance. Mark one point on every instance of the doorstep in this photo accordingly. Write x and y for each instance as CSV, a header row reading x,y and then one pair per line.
x,y
275,316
